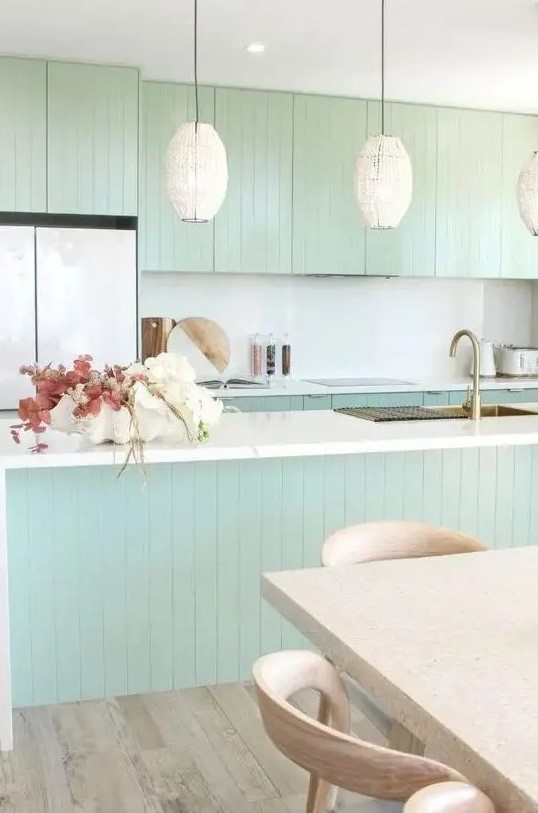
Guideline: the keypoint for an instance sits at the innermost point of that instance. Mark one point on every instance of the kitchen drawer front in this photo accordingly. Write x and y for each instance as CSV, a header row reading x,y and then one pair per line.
x,y
400,399
280,403
436,398
312,402
511,396
351,400
266,403
242,404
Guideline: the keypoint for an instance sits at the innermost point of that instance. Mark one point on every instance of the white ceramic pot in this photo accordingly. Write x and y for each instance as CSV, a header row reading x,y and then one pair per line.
x,y
110,425
153,421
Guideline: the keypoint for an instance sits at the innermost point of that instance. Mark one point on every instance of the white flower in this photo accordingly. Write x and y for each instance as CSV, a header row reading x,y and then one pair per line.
x,y
169,367
144,399
136,368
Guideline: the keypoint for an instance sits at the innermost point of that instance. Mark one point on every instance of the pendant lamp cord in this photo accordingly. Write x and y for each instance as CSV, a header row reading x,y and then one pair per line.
x,y
382,67
196,58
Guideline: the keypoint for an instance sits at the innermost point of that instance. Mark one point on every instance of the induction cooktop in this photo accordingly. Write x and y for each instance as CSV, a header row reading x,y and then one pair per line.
x,y
357,382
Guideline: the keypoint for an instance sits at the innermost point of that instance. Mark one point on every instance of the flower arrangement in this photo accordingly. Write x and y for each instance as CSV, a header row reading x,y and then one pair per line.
x,y
127,405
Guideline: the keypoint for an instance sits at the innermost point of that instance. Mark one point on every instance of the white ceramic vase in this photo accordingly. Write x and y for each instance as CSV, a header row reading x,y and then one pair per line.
x,y
154,421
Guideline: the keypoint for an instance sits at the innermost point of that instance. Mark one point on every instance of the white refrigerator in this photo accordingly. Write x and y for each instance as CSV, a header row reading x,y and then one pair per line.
x,y
64,292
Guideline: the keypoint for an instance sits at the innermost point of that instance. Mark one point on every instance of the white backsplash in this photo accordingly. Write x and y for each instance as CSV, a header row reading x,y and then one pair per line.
x,y
348,326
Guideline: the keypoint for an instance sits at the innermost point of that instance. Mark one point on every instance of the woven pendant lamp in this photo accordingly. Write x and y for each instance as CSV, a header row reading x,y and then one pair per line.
x,y
527,194
196,169
383,172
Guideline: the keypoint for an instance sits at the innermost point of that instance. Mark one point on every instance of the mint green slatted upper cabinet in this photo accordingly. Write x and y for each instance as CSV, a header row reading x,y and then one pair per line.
x,y
469,193
253,226
23,135
408,250
92,139
328,234
165,243
519,249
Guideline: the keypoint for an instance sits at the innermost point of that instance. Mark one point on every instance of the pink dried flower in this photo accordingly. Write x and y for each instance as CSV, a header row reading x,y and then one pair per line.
x,y
88,388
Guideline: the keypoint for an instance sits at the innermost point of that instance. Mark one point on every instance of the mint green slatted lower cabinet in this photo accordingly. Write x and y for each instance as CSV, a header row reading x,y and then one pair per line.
x,y
382,399
351,400
267,403
314,402
436,398
131,585
511,396
241,404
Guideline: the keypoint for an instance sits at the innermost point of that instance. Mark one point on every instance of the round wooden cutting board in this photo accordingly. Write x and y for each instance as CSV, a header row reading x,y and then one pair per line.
x,y
204,343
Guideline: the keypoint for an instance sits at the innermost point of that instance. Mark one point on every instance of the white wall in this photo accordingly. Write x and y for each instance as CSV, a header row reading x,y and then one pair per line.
x,y
359,326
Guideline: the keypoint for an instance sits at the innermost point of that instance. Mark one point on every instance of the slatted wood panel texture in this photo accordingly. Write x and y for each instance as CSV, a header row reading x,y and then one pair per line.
x,y
92,139
408,250
519,249
125,586
165,243
469,193
268,403
253,226
328,235
23,135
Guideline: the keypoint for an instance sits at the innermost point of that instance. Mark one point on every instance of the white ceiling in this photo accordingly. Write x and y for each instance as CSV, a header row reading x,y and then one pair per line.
x,y
476,53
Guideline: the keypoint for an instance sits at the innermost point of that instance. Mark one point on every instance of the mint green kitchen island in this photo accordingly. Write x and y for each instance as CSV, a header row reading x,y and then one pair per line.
x,y
151,580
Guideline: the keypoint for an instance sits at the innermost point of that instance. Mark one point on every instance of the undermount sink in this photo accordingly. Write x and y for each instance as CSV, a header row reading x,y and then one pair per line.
x,y
486,411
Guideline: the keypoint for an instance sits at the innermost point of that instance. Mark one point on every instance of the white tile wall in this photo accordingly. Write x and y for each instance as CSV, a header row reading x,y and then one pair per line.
x,y
348,326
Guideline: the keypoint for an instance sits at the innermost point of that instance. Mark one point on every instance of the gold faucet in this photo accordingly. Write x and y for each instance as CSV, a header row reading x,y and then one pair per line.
x,y
473,402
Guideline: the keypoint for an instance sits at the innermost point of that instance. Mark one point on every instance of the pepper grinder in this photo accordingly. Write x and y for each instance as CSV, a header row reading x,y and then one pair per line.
x,y
271,357
286,356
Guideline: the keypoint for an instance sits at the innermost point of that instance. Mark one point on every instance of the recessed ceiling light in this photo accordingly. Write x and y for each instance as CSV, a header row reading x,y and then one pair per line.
x,y
256,48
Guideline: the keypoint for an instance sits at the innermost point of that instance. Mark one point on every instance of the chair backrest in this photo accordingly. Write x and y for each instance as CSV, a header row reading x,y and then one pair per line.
x,y
449,797
325,747
374,541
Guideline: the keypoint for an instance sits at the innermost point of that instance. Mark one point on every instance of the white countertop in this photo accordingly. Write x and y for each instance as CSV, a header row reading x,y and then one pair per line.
x,y
448,644
284,434
281,387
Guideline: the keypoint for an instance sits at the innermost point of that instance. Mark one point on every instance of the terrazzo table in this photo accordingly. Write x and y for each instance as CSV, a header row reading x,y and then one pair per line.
x,y
449,645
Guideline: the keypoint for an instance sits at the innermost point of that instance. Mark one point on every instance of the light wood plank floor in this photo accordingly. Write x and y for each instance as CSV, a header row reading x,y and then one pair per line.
x,y
192,751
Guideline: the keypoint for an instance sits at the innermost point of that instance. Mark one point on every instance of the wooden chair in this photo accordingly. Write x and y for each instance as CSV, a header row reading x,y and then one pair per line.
x,y
326,749
449,797
374,541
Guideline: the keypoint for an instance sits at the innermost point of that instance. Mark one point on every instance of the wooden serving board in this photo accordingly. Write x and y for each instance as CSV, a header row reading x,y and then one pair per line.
x,y
204,342
155,333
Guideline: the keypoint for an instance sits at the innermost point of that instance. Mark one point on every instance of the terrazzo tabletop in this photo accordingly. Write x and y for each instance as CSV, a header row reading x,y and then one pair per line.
x,y
448,644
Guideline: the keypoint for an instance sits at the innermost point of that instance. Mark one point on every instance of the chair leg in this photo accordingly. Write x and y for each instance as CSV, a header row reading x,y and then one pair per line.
x,y
313,787
321,796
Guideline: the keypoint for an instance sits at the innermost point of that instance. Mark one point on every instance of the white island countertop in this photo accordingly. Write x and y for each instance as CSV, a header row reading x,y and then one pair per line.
x,y
284,434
